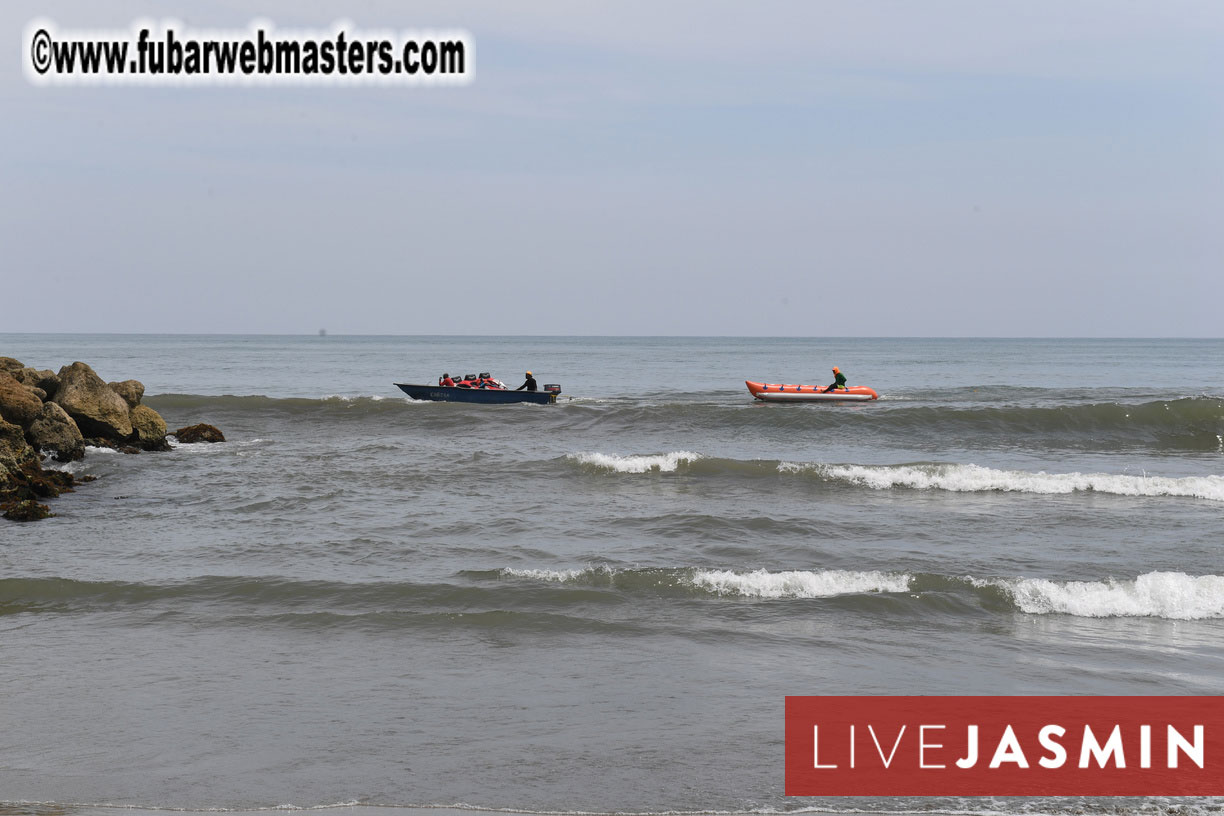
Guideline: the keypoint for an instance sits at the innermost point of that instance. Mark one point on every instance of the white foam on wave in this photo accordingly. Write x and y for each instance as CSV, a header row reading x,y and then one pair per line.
x,y
798,583
1173,595
78,467
212,447
974,478
662,462
1168,595
557,576
91,450
350,398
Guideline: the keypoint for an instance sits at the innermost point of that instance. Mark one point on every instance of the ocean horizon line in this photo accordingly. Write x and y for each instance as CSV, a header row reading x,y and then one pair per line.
x,y
329,334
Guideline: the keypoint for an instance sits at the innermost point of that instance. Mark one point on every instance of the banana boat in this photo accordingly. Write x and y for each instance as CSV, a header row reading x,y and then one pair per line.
x,y
770,392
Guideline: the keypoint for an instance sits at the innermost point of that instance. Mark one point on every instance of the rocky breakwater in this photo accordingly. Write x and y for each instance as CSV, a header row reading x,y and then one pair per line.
x,y
44,414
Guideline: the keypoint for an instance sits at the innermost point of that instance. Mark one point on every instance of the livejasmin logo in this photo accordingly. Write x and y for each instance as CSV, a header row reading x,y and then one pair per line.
x,y
1087,746
1009,748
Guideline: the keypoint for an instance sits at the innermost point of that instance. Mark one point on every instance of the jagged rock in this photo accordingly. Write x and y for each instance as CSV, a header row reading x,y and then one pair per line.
x,y
199,433
44,379
19,403
55,430
148,428
31,482
15,453
43,412
97,409
21,489
130,390
27,510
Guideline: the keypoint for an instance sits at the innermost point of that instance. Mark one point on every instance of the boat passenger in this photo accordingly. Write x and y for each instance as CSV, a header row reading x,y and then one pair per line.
x,y
530,385
446,381
839,381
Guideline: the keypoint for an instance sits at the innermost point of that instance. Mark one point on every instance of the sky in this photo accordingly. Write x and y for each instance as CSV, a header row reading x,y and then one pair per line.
x,y
694,167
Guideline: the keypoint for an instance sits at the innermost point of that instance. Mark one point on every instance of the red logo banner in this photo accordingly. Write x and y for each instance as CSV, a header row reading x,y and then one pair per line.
x,y
1004,746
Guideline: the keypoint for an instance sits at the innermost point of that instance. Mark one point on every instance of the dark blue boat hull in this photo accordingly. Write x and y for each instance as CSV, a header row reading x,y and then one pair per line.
x,y
483,396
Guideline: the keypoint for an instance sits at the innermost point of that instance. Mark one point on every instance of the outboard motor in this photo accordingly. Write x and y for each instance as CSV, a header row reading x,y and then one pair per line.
x,y
552,388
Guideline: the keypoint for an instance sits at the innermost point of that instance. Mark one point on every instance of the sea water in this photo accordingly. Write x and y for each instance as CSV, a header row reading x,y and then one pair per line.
x,y
598,605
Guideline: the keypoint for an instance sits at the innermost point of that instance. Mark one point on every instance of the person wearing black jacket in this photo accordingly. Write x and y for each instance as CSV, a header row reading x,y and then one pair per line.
x,y
530,385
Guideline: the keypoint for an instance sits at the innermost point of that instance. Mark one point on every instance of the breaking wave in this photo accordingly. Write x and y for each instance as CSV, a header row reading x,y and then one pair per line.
x,y
1182,424
1172,595
1169,595
798,583
661,462
540,598
955,478
974,478
752,584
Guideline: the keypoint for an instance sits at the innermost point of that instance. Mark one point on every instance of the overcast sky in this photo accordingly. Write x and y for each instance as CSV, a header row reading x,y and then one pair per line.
x,y
845,167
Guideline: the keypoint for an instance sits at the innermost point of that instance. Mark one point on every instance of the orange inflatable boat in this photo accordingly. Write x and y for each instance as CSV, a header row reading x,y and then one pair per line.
x,y
809,393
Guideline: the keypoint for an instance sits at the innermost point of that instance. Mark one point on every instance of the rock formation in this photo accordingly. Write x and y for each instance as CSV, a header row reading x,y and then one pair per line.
x,y
148,428
19,404
22,480
97,410
55,431
46,381
15,452
47,414
131,390
198,433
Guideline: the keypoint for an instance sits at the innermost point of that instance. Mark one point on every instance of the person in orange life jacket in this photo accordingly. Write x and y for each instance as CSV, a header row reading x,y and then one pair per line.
x,y
530,385
446,380
839,381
